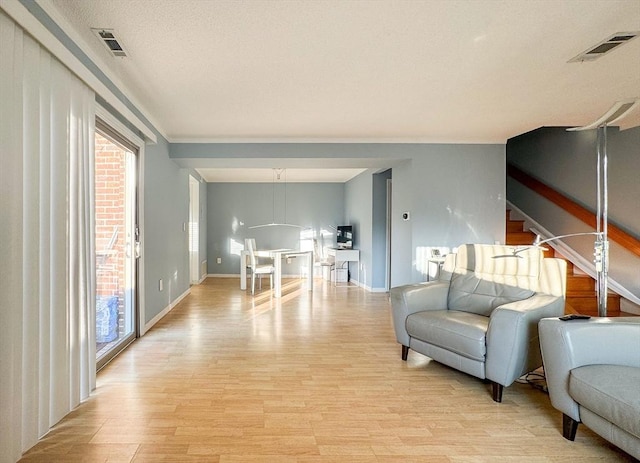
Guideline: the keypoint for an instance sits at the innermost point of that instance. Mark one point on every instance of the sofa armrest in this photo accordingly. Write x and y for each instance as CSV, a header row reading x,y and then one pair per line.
x,y
409,299
513,348
571,344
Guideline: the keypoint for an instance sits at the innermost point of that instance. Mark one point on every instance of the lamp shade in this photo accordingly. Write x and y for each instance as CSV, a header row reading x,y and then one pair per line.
x,y
616,113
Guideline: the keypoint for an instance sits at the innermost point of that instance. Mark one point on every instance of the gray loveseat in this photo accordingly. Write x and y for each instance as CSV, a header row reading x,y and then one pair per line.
x,y
593,375
481,316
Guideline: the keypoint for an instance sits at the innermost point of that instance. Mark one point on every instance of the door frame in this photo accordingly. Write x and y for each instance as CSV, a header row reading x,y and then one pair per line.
x,y
117,126
387,277
194,211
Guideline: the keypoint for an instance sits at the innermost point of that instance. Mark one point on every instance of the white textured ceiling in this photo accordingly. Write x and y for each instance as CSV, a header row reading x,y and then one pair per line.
x,y
476,71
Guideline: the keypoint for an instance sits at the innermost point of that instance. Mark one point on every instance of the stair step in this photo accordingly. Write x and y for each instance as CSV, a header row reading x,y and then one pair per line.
x,y
593,312
586,294
568,308
580,283
588,304
550,252
516,238
515,226
570,268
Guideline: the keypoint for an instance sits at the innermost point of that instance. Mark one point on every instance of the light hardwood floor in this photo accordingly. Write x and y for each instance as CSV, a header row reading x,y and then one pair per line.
x,y
229,378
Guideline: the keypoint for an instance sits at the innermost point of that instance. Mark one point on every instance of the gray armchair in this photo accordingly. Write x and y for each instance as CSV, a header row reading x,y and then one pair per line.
x,y
593,375
481,316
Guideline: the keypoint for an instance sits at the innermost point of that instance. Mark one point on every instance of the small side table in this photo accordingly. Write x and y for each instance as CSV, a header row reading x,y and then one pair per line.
x,y
438,260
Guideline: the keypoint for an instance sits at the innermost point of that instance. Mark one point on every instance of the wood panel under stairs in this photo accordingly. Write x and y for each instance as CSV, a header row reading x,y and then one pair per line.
x,y
581,288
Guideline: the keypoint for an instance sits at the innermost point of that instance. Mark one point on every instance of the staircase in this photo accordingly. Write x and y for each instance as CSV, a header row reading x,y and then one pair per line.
x,y
581,288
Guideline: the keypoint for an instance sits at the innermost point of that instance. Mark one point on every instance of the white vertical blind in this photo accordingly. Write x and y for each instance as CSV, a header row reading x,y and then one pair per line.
x,y
47,287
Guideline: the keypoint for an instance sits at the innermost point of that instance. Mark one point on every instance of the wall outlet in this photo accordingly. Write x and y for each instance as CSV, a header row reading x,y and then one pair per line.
x,y
160,285
219,260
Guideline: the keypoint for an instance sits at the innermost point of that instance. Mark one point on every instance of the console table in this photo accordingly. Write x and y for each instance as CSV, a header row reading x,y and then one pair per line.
x,y
343,255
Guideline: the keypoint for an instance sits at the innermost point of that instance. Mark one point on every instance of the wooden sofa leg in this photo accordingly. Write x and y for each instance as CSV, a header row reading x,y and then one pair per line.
x,y
405,352
569,427
497,392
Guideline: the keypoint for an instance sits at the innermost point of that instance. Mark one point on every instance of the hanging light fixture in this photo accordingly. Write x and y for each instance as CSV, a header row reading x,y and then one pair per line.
x,y
277,177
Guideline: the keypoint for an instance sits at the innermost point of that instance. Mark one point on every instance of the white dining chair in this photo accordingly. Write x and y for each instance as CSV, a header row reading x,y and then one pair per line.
x,y
256,268
327,264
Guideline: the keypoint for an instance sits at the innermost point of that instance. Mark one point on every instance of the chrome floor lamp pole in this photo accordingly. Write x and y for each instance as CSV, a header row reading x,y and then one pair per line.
x,y
601,246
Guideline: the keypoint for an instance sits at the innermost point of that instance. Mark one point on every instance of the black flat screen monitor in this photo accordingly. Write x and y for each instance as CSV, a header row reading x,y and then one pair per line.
x,y
345,236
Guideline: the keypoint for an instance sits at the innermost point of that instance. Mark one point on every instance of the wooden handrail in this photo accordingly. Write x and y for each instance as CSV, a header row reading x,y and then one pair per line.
x,y
630,243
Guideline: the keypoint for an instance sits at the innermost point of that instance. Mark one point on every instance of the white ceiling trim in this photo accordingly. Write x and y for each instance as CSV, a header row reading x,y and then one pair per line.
x,y
288,163
483,141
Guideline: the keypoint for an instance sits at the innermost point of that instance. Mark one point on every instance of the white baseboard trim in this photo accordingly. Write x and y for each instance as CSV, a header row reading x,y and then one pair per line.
x,y
629,307
369,288
355,282
379,290
237,275
165,311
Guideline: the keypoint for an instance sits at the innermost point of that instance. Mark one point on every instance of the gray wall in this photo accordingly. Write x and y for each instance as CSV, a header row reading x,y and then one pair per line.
x,y
566,161
379,230
359,214
455,194
166,210
234,207
366,209
402,260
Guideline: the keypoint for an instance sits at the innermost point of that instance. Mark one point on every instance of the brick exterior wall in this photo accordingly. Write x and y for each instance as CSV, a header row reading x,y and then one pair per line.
x,y
110,189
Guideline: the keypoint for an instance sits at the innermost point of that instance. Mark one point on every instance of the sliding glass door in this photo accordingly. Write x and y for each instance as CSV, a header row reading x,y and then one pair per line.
x,y
116,243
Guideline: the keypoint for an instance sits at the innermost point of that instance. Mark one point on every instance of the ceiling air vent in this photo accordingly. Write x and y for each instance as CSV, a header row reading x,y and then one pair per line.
x,y
108,38
605,46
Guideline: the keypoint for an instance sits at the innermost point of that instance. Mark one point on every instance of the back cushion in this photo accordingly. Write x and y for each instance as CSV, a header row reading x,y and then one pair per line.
x,y
487,276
